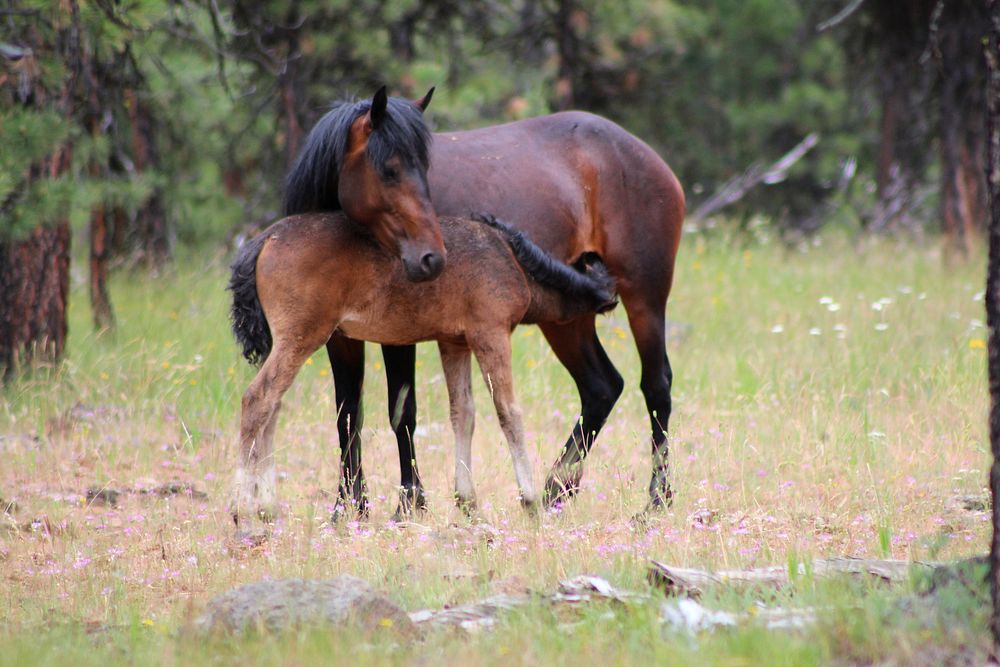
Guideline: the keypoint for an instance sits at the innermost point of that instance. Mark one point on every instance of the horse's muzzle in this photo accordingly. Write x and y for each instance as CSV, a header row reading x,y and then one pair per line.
x,y
428,267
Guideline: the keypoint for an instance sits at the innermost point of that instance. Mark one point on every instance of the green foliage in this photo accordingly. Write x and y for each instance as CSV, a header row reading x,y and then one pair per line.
x,y
713,87
51,93
29,138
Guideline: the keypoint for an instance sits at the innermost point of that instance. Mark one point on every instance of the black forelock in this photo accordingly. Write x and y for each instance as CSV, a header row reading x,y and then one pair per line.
x,y
311,184
403,133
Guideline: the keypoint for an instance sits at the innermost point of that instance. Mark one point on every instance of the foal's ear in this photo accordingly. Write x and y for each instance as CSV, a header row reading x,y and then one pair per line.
x,y
424,101
377,113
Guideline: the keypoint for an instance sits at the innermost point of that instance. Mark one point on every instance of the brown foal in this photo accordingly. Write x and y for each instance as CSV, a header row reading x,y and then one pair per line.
x,y
309,276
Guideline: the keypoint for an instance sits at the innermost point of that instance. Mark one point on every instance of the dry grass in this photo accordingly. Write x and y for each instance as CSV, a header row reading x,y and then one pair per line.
x,y
828,401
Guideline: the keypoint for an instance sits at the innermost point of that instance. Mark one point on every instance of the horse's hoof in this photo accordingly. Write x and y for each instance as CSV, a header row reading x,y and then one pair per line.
x,y
558,491
410,501
349,512
660,500
642,520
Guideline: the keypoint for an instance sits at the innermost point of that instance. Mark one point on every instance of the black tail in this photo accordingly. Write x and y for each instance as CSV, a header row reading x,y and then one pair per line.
x,y
589,281
249,323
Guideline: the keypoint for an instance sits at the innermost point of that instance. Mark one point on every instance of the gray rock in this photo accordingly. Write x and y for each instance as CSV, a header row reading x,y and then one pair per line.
x,y
272,606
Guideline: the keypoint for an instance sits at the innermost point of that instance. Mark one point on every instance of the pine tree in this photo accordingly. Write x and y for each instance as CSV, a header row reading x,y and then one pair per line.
x,y
35,189
65,72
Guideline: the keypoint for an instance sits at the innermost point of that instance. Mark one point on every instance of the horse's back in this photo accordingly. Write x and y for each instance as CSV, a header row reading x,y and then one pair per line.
x,y
575,182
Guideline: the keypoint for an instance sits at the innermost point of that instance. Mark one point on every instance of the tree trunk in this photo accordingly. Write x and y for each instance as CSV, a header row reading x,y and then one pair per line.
x,y
892,100
100,301
34,266
959,34
993,299
290,85
34,286
954,198
568,18
152,234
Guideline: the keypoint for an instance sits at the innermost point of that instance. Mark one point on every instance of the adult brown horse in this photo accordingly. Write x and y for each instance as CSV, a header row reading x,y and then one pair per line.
x,y
578,185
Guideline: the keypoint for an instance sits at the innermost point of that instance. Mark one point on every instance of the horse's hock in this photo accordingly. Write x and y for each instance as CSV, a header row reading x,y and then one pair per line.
x,y
272,606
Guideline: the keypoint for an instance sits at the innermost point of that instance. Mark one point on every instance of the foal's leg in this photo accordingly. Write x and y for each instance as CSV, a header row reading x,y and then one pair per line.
x,y
599,385
457,363
494,355
400,361
255,479
347,361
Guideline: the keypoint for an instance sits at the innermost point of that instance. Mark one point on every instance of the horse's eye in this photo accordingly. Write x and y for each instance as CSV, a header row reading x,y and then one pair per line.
x,y
391,174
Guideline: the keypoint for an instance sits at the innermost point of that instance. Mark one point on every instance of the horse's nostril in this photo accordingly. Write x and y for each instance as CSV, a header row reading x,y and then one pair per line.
x,y
431,263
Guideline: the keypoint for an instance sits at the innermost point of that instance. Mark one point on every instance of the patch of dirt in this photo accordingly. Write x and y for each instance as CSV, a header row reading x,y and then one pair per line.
x,y
97,495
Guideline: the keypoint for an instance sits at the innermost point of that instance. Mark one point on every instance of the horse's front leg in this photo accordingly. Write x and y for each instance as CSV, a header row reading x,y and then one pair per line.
x,y
494,355
457,363
347,361
254,491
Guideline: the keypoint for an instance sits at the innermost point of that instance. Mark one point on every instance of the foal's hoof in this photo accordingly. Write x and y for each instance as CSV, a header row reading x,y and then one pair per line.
x,y
468,505
242,515
251,539
530,506
267,513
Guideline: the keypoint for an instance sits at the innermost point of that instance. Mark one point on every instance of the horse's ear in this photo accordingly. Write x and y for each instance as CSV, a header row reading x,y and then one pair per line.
x,y
424,101
378,110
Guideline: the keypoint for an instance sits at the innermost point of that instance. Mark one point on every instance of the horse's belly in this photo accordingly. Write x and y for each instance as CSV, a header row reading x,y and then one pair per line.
x,y
390,330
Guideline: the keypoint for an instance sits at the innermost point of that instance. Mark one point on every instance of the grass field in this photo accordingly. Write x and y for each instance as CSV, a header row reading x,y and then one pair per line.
x,y
829,400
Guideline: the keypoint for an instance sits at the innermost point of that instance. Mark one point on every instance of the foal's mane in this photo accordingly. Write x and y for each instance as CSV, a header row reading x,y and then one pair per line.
x,y
311,185
595,284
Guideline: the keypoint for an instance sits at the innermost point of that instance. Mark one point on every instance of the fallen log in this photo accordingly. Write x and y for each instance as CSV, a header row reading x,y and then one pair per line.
x,y
734,189
690,582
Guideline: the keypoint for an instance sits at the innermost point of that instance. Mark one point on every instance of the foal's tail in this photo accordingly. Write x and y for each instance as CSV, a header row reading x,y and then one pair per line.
x,y
587,280
249,323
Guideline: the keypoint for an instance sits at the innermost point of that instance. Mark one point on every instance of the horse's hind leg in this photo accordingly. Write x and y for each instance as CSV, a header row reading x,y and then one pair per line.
x,y
457,363
400,361
599,384
648,326
255,479
494,355
347,361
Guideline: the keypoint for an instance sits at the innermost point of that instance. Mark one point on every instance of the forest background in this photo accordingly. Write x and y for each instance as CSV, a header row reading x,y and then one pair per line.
x,y
139,128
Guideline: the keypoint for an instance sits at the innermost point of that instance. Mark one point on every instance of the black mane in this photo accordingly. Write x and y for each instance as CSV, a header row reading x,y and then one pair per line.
x,y
587,280
311,185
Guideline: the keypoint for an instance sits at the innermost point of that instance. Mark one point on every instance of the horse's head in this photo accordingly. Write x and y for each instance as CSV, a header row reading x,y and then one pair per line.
x,y
370,159
383,182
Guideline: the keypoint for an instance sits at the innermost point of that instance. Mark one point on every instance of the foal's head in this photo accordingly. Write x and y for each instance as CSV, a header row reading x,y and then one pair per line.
x,y
370,159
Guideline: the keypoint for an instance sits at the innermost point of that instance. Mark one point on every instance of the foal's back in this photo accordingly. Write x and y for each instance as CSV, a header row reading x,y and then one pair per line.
x,y
318,273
